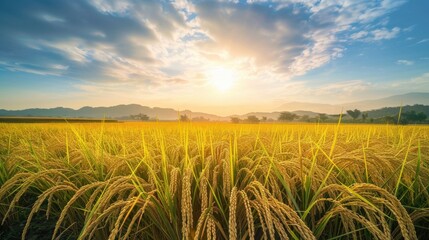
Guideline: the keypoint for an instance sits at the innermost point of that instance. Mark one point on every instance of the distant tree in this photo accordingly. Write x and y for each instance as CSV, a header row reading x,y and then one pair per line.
x,y
323,117
264,119
421,117
305,118
389,119
287,116
413,117
142,117
364,116
184,118
252,119
354,113
200,119
235,120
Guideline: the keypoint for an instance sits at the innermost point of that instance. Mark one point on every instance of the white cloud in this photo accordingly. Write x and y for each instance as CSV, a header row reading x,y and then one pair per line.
x,y
112,6
384,33
377,34
405,62
51,18
359,35
423,41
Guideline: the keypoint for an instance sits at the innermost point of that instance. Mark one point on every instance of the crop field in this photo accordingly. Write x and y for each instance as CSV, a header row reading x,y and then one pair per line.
x,y
213,181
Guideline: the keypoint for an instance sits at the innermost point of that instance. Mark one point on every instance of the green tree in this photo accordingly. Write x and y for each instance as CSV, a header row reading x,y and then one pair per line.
x,y
287,116
421,117
364,116
389,119
323,117
305,118
354,113
413,117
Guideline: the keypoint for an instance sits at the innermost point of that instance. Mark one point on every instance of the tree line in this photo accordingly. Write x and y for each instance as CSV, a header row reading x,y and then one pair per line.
x,y
408,117
354,116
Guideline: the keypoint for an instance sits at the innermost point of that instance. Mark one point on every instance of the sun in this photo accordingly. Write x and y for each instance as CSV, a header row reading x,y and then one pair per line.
x,y
221,78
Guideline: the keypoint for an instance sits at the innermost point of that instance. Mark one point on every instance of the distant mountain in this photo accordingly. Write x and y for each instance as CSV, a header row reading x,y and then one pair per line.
x,y
392,111
115,112
274,115
124,112
385,106
392,101
310,107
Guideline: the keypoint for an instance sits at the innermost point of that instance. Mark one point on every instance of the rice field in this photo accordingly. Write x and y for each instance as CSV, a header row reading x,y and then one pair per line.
x,y
213,181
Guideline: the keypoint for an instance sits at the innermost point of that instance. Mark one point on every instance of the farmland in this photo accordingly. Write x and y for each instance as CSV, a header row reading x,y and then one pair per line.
x,y
213,181
52,120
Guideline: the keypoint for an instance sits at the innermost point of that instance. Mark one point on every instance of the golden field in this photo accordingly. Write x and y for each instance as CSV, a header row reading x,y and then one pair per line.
x,y
214,181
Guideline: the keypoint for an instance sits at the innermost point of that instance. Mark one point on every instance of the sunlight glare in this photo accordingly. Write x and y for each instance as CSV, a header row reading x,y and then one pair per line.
x,y
221,78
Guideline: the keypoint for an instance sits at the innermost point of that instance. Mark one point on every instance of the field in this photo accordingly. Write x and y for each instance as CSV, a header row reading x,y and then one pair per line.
x,y
51,120
213,181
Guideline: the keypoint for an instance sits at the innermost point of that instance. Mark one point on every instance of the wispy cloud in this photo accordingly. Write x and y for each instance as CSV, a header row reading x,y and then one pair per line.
x,y
419,83
423,41
384,33
405,62
376,34
346,91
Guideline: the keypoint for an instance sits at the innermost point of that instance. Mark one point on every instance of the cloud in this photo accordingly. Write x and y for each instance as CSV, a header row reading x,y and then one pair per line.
x,y
359,35
382,34
97,40
291,37
308,91
415,84
423,41
341,90
376,34
164,43
405,62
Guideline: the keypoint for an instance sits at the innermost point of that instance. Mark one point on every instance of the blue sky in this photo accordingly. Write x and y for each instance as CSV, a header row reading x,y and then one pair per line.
x,y
214,56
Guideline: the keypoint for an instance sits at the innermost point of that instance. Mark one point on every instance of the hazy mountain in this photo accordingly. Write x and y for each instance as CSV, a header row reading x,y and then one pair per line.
x,y
310,107
392,111
274,115
392,101
116,112
125,111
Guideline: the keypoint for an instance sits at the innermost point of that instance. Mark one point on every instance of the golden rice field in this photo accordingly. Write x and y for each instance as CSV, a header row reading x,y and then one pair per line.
x,y
213,181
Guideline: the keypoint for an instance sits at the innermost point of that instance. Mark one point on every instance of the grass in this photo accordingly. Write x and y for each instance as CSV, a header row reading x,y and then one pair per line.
x,y
213,181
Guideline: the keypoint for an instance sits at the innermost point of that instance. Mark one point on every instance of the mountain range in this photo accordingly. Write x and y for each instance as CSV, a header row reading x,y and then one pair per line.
x,y
366,105
124,112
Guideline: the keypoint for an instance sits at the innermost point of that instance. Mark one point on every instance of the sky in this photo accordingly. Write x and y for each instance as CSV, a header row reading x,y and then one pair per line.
x,y
222,57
